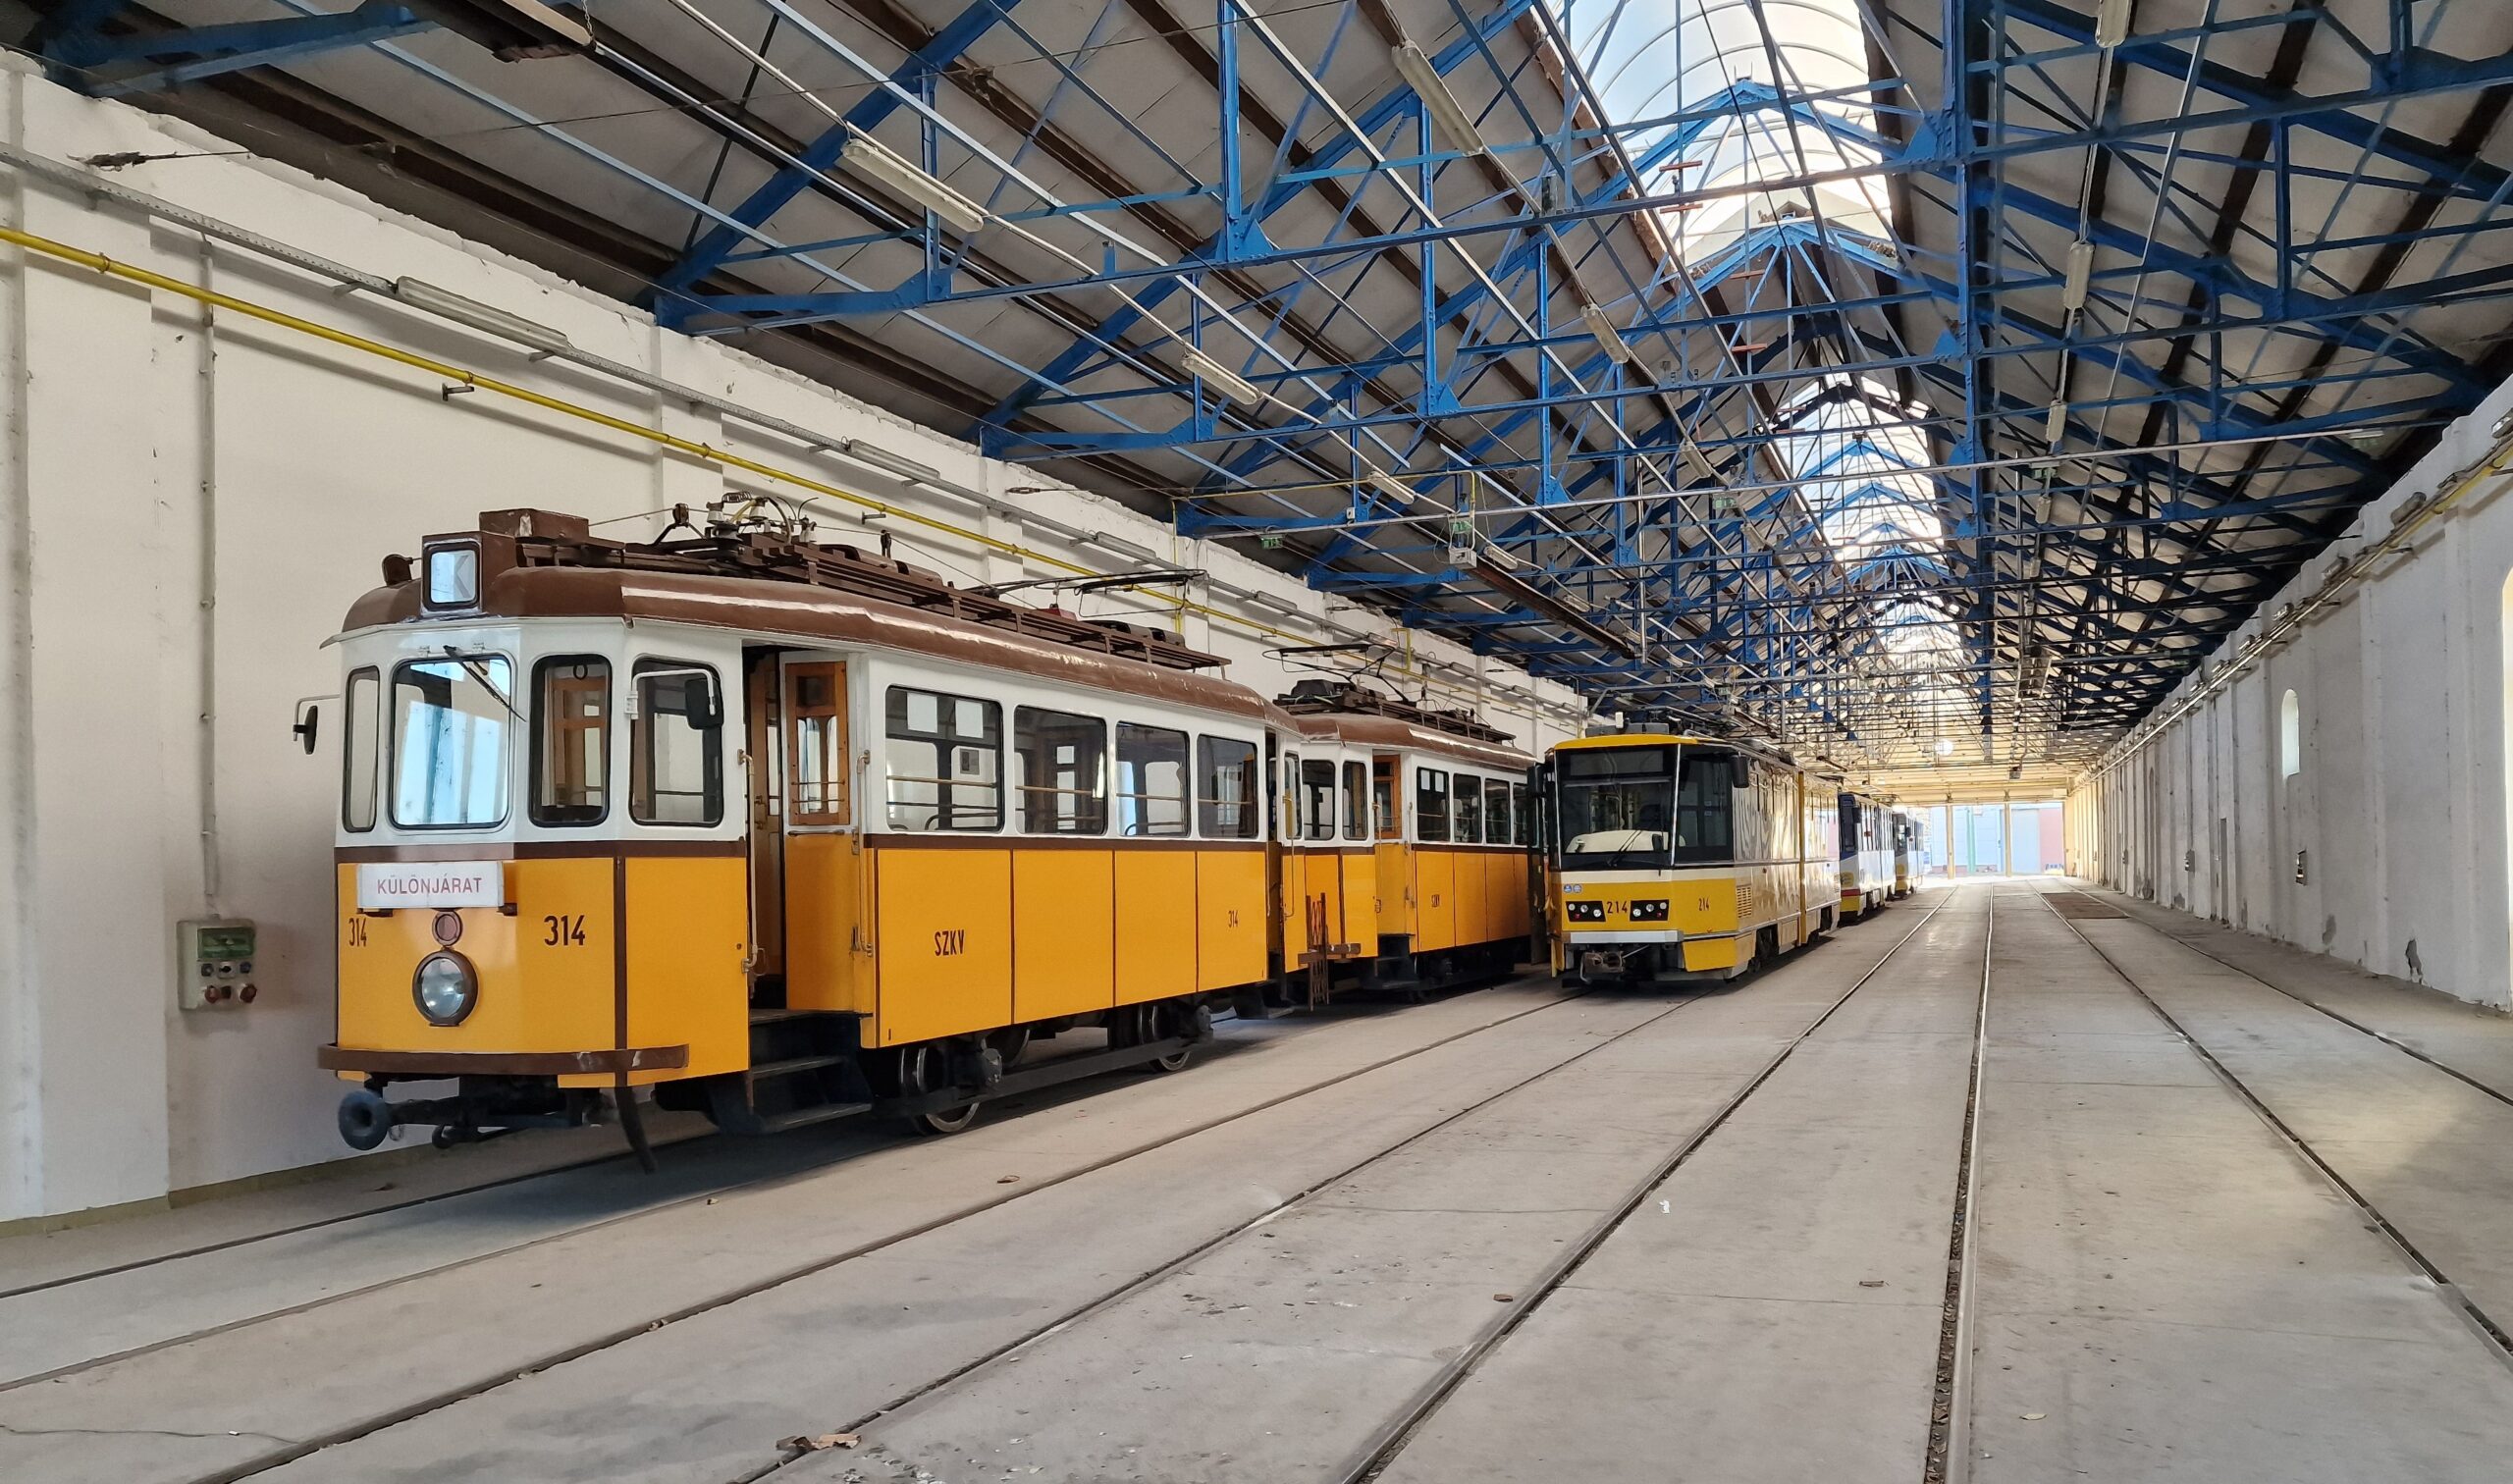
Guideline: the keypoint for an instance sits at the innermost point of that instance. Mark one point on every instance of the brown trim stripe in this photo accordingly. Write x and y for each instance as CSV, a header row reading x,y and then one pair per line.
x,y
338,1058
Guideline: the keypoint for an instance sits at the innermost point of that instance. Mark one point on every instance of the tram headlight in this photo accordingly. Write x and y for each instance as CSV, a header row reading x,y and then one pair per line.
x,y
445,988
1649,912
1583,911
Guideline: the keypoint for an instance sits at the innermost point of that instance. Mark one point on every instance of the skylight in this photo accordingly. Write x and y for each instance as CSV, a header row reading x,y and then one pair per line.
x,y
1845,435
1697,65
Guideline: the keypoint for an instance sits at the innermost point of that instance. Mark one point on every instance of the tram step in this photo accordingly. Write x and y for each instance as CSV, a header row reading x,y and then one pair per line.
x,y
771,1015
778,1123
792,1065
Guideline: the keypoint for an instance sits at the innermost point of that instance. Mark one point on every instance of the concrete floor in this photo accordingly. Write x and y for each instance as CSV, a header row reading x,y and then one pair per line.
x,y
2234,1214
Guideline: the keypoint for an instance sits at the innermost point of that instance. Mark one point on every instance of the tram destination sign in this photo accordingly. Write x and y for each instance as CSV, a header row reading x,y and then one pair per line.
x,y
431,884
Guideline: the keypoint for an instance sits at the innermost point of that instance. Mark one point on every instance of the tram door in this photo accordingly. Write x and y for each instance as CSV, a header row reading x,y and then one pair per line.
x,y
763,745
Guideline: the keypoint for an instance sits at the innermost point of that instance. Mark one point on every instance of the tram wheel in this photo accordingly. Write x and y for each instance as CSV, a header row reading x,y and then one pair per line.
x,y
1011,1043
927,1068
1169,1019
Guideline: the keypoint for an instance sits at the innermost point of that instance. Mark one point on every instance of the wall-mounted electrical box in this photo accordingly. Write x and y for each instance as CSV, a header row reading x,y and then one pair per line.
x,y
214,962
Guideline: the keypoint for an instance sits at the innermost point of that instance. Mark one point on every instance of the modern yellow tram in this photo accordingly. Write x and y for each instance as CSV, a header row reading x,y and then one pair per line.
x,y
1677,859
787,832
1867,843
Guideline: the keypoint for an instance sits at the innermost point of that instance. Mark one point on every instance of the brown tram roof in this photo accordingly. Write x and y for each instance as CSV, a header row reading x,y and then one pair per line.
x,y
787,610
1370,718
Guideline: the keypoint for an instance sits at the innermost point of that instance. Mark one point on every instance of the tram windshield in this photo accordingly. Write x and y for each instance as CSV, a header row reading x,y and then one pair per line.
x,y
1645,808
452,726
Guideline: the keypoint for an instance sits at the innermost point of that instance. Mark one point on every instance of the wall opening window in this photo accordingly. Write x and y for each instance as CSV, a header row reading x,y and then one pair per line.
x,y
1357,801
2290,735
1317,798
358,751
675,746
1465,811
1226,795
816,764
451,722
1059,763
1430,804
1500,815
943,760
1152,780
571,740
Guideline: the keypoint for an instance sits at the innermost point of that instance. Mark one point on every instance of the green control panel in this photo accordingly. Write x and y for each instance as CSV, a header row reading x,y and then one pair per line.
x,y
214,960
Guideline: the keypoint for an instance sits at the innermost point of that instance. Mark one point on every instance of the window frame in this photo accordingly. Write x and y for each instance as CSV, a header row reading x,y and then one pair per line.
x,y
1506,813
1388,769
1185,797
375,746
1465,824
792,713
641,735
1354,777
1099,796
1422,815
540,752
1002,810
1250,807
1312,829
389,737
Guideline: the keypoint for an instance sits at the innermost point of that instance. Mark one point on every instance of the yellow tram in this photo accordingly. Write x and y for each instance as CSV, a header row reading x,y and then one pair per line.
x,y
1677,859
1405,833
788,832
1866,855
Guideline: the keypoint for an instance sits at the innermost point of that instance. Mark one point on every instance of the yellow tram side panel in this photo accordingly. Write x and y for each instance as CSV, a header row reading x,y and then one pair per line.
x,y
1505,879
1473,903
942,942
1357,871
689,935
1158,922
1436,899
1230,918
826,968
1064,932
535,994
1310,873
1397,893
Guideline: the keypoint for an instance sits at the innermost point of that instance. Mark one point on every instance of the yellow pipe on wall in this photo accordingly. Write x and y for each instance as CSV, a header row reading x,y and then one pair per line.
x,y
132,273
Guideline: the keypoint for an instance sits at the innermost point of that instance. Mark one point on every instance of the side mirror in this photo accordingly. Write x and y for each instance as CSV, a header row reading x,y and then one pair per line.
x,y
309,724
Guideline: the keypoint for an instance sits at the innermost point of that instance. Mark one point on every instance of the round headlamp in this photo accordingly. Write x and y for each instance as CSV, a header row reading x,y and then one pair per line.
x,y
445,988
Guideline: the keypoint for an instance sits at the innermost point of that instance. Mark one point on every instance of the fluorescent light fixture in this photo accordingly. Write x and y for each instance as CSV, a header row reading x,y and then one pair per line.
x,y
2111,23
1608,337
1124,548
1447,115
1276,601
1221,377
2058,428
445,304
888,463
2080,275
867,157
1392,487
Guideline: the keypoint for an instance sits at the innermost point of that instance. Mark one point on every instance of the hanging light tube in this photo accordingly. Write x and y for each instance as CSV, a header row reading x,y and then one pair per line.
x,y
2111,23
874,456
1392,487
1221,377
1608,337
2080,276
869,157
2058,428
1448,115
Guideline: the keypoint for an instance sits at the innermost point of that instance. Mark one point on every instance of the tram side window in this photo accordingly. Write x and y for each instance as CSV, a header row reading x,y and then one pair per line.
x,y
1430,804
1152,780
1500,815
817,750
1522,809
571,740
1317,798
1226,793
451,722
1357,801
677,746
1706,807
358,752
1390,823
1465,815
944,761
1060,767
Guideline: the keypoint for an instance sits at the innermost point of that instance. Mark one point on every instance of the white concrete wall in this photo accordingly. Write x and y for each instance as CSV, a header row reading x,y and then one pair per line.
x,y
188,501
2401,805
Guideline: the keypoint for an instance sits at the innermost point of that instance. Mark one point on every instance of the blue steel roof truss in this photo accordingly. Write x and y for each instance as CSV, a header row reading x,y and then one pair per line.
x,y
2142,326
